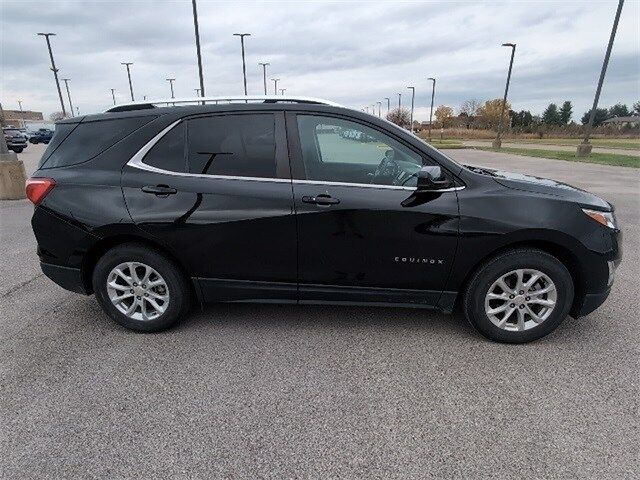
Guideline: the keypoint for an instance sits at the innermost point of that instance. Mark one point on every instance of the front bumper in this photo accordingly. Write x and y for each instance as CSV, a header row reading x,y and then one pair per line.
x,y
67,278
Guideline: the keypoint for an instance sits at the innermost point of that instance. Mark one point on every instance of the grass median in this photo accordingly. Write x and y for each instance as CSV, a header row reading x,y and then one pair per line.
x,y
600,158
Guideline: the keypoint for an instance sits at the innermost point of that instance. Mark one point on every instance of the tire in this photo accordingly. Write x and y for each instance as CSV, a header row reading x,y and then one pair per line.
x,y
175,286
476,301
18,150
33,141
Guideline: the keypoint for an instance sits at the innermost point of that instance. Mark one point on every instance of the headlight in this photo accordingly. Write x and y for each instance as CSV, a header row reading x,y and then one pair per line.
x,y
607,219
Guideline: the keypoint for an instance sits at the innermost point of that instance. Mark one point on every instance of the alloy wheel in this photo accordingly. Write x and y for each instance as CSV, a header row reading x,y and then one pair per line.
x,y
138,291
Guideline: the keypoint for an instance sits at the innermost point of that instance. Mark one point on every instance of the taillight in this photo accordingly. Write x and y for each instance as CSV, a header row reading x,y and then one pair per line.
x,y
38,188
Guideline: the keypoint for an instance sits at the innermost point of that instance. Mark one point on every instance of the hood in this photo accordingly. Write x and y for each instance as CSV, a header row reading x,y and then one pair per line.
x,y
546,186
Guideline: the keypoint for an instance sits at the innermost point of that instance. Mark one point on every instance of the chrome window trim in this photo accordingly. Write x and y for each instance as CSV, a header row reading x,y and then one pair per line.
x,y
136,162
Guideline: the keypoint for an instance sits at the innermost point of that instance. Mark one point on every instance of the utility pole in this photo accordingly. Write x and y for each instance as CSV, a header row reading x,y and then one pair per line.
x,y
275,85
282,90
244,67
264,75
66,84
197,90
171,80
433,94
127,64
54,70
379,109
413,95
113,95
388,105
497,143
197,32
399,102
21,113
584,149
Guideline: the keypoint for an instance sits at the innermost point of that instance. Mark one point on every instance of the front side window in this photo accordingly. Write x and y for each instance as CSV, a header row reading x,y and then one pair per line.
x,y
338,150
232,145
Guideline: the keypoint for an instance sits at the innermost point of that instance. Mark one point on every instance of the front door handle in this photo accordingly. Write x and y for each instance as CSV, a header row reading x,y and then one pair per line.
x,y
159,190
322,199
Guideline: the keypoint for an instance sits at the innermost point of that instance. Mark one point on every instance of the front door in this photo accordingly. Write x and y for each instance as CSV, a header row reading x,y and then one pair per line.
x,y
362,237
216,191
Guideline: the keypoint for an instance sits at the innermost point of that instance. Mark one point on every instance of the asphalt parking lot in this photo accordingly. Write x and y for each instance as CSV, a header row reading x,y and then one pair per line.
x,y
270,391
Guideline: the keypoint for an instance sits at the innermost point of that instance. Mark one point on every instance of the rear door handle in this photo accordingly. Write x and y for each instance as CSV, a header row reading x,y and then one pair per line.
x,y
160,190
322,199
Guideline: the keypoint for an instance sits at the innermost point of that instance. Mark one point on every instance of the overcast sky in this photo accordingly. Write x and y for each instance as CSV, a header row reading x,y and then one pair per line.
x,y
354,53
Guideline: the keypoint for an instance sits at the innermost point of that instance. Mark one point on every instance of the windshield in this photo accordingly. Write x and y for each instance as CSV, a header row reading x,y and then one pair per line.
x,y
12,131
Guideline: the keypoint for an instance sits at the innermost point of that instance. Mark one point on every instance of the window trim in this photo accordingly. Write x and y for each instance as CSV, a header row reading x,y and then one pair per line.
x,y
136,161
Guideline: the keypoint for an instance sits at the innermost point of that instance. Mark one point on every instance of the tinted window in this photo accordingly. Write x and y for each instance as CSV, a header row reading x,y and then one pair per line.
x,y
235,145
61,132
90,139
169,152
344,151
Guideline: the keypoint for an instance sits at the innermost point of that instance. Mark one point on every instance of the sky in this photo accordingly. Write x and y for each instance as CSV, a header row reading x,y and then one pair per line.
x,y
353,53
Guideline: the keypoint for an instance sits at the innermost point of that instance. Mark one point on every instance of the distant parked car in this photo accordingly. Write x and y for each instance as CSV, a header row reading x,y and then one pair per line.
x,y
42,135
16,141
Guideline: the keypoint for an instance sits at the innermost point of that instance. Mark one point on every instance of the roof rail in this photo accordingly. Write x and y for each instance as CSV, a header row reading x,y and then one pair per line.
x,y
147,104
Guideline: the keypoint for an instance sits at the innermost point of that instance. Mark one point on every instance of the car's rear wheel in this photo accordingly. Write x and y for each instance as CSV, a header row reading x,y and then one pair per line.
x,y
519,296
18,149
140,288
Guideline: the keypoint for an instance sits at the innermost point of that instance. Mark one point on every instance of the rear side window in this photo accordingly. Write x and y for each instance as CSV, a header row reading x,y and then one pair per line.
x,y
232,145
87,140
170,151
62,130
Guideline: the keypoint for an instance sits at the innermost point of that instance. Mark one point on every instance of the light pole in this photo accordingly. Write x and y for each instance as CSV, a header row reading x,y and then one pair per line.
x,y
171,80
197,90
128,64
264,75
399,103
584,149
244,67
54,70
21,113
113,95
197,32
413,96
366,109
388,105
282,90
275,85
497,143
379,109
66,84
433,94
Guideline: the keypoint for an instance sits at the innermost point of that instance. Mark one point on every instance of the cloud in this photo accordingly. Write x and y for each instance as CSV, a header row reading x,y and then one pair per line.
x,y
355,53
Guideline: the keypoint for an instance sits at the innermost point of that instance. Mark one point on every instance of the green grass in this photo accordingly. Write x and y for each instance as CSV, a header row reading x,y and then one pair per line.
x,y
601,158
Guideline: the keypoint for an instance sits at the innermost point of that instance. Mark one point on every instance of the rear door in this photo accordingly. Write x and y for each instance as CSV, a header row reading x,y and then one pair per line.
x,y
363,235
216,191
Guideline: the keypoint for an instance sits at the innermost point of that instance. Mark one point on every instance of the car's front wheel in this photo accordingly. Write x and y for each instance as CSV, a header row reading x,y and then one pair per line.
x,y
519,296
140,288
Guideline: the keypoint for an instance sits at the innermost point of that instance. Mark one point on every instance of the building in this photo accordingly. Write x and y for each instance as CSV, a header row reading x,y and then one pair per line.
x,y
21,119
621,122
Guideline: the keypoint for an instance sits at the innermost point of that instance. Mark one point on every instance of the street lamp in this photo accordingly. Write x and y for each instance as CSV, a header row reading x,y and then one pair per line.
x,y
413,96
66,84
388,105
113,95
379,109
433,94
282,90
197,32
497,143
264,75
21,113
54,69
244,68
197,90
171,80
128,64
399,102
584,149
275,85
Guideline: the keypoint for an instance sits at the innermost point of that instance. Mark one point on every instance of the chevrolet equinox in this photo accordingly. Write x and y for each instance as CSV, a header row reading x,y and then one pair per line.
x,y
156,206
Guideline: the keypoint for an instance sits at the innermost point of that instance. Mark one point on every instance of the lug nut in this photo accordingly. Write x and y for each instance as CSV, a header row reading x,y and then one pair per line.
x,y
144,286
511,296
146,294
135,284
521,306
513,305
521,292
131,291
138,297
527,298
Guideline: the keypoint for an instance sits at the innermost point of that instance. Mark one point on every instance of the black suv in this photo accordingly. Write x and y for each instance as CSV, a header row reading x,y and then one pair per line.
x,y
15,139
155,208
42,135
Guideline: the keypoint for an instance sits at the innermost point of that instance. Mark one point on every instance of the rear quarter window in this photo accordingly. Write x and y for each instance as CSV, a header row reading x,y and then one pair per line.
x,y
76,143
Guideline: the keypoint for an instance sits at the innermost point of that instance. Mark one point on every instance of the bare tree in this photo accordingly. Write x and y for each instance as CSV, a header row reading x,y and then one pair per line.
x,y
400,116
55,116
470,107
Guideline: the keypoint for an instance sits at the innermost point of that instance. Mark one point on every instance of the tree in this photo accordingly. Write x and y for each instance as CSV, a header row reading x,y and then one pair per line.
x,y
489,113
400,116
551,115
443,113
601,115
55,116
619,110
521,119
636,108
565,112
470,107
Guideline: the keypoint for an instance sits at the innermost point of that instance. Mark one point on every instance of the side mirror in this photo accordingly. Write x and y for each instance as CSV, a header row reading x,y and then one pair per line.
x,y
431,178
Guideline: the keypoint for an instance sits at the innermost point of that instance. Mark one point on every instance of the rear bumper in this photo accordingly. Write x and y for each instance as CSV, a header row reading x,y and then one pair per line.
x,y
67,278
